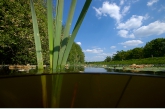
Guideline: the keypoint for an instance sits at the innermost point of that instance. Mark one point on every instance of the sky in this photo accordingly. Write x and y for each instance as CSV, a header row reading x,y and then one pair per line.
x,y
114,25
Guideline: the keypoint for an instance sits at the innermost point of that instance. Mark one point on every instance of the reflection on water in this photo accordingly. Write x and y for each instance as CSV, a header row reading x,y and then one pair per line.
x,y
93,69
79,86
78,69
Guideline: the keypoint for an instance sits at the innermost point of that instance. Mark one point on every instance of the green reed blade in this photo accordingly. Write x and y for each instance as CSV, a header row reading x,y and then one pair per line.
x,y
57,81
50,29
57,37
67,30
44,91
36,37
76,28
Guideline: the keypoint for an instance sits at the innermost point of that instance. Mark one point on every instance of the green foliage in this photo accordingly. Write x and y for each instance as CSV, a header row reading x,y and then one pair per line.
x,y
75,30
152,53
57,36
107,59
154,60
154,48
65,31
36,37
16,31
50,29
76,55
136,53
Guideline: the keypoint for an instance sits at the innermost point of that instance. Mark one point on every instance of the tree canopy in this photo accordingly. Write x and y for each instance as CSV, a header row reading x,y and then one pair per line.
x,y
107,59
16,31
76,55
154,48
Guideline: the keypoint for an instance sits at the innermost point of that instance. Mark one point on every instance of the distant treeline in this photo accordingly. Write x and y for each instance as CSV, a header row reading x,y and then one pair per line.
x,y
155,60
154,48
152,53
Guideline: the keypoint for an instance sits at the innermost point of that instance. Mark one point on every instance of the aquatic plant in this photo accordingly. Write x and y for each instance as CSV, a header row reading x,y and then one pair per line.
x,y
36,37
59,44
75,30
50,29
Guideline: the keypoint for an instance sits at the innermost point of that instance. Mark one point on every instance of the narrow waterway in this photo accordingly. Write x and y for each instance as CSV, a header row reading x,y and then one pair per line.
x,y
93,69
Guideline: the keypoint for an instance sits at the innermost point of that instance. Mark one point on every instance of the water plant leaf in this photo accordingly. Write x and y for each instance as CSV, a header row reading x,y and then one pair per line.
x,y
50,29
57,37
75,30
44,91
36,37
67,30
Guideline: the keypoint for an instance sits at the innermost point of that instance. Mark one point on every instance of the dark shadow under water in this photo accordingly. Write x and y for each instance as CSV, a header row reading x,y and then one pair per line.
x,y
83,90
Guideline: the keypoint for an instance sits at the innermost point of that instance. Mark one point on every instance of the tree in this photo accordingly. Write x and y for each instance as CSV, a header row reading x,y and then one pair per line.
x,y
76,55
107,59
16,31
136,53
16,43
155,48
121,55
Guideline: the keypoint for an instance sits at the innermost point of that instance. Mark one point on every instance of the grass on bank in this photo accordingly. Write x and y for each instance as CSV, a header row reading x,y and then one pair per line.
x,y
154,60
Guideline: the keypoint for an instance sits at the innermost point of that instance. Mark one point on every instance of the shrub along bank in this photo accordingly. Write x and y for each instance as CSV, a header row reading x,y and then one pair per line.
x,y
155,60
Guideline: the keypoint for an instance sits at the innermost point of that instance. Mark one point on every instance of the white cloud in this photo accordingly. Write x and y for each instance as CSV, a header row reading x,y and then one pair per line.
x,y
98,12
155,28
151,2
162,8
125,46
79,43
105,54
95,50
124,34
146,17
110,9
134,1
112,47
131,43
125,10
132,23
94,58
102,56
121,2
98,56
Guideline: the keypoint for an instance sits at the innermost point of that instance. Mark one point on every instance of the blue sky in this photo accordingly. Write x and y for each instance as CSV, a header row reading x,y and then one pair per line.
x,y
113,25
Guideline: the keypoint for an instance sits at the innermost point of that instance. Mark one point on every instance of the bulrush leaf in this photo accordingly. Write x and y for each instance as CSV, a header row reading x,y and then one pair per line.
x,y
44,91
36,37
50,29
56,91
75,30
58,27
66,31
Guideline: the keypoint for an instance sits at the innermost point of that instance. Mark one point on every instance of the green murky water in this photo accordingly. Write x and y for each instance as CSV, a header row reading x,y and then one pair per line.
x,y
82,90
80,87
